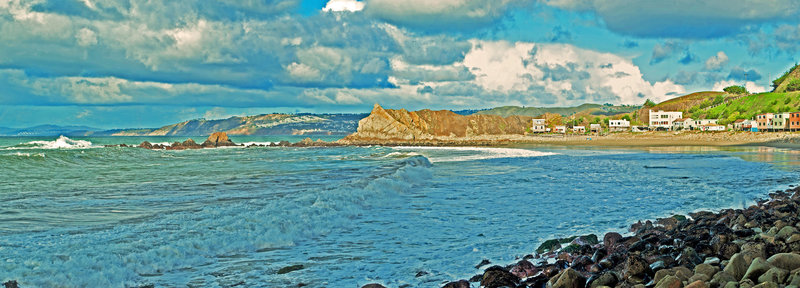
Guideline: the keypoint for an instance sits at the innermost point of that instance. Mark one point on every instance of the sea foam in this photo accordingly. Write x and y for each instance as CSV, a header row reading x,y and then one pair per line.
x,y
473,153
61,143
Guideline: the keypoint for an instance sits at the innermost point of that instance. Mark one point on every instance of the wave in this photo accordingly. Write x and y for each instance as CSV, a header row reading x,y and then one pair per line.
x,y
245,144
20,154
61,143
474,153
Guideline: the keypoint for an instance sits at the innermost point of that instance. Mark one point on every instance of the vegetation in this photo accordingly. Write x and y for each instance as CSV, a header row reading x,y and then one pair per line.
x,y
585,109
735,90
793,85
649,103
749,106
779,81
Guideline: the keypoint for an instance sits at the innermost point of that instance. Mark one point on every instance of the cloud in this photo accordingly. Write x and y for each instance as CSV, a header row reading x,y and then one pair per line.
x,y
559,34
716,62
442,14
751,86
685,78
739,74
665,50
344,5
673,19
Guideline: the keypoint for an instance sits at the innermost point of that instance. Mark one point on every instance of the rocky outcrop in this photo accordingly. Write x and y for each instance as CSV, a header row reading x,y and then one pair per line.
x,y
217,139
388,126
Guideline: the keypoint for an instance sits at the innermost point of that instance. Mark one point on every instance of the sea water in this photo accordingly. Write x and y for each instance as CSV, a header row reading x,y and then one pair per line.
x,y
76,214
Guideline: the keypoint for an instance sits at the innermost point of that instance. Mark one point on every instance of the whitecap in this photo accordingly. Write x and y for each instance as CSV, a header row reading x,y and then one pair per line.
x,y
475,153
61,143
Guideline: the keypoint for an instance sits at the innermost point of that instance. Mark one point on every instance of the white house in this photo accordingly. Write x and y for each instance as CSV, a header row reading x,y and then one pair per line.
x,y
595,128
682,124
712,127
619,125
561,129
662,119
701,122
538,126
579,129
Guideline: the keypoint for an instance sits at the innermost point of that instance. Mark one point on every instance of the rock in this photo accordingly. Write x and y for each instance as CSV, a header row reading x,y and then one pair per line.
x,y
484,262
549,245
373,285
635,266
731,284
699,277
792,239
786,261
570,278
737,267
697,284
766,285
218,139
421,273
606,279
146,145
524,269
711,261
721,278
669,282
291,268
746,283
497,276
757,267
785,232
611,239
706,269
11,284
774,275
457,284
190,144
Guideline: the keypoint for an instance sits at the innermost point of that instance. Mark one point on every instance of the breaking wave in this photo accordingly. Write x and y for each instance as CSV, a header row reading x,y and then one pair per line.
x,y
471,153
61,143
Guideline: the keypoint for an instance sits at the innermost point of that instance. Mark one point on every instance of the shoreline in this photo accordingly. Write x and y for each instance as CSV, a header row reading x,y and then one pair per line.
x,y
758,246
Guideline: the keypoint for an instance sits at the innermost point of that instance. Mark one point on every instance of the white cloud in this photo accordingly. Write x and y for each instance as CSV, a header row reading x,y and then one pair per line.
x,y
442,14
751,86
86,37
344,5
716,62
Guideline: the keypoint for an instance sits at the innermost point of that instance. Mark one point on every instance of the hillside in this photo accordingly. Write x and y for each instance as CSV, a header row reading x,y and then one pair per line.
x,y
682,103
402,126
266,124
748,106
587,109
782,84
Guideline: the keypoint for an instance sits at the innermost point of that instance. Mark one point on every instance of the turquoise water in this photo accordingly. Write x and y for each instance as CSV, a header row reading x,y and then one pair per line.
x,y
76,214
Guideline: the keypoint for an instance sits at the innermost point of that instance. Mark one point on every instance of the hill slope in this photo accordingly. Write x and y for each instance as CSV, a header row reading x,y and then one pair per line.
x,y
781,84
683,103
588,109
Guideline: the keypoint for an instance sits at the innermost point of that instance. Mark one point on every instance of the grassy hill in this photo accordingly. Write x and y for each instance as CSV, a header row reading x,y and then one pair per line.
x,y
584,109
748,106
789,81
683,103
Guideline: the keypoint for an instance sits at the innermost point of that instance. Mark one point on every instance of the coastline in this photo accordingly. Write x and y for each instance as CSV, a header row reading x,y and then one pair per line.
x,y
758,246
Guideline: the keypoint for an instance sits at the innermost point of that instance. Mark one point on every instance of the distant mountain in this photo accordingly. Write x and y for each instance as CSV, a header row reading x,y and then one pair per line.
x,y
48,130
265,124
590,109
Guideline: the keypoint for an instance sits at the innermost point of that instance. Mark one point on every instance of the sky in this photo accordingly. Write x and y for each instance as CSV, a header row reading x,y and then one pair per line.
x,y
141,63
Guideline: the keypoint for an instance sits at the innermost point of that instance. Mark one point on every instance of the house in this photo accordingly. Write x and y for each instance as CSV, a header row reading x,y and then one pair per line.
x,y
764,121
738,125
662,119
780,121
712,127
701,122
561,129
538,126
619,125
794,121
579,129
682,124
595,128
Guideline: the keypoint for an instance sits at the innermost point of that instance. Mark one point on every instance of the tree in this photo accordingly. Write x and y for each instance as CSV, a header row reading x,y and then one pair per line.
x,y
649,103
735,90
793,85
626,117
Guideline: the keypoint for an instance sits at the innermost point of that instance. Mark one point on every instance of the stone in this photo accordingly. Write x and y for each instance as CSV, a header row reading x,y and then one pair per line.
x,y
218,139
766,285
731,284
700,277
146,145
753,250
611,239
689,257
746,283
524,269
722,278
792,239
606,279
786,261
682,273
484,262
697,284
635,266
774,275
757,267
669,282
457,284
497,276
737,267
785,232
711,261
706,269
291,268
373,285
570,278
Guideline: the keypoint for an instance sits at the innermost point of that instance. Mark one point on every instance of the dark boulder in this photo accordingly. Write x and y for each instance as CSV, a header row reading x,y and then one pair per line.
x,y
496,277
11,284
457,284
373,285
146,145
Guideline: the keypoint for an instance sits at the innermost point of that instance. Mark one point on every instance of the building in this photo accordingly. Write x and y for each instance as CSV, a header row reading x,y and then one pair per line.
x,y
538,126
701,122
561,129
738,125
662,119
595,128
794,121
619,125
764,121
713,127
682,124
780,121
579,129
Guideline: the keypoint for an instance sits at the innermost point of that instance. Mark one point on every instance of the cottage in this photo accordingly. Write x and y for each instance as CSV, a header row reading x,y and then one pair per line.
x,y
738,125
780,121
712,127
595,128
764,121
794,121
700,122
561,129
538,126
619,125
682,124
579,129
662,119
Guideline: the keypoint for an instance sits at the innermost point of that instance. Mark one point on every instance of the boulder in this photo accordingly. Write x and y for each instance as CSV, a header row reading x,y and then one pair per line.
x,y
635,266
757,267
736,267
606,279
786,261
785,232
722,278
669,282
697,284
146,145
496,277
218,139
524,269
457,284
373,285
766,285
774,275
610,239
11,284
569,278
706,269
190,144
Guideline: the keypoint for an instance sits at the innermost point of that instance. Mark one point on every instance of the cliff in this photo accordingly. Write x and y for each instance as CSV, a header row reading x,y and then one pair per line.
x,y
388,126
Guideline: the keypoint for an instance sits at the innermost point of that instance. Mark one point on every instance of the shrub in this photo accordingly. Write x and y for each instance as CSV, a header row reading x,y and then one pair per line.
x,y
793,85
718,100
649,103
735,90
787,100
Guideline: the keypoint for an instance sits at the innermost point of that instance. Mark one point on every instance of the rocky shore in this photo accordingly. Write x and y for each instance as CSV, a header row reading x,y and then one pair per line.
x,y
220,139
734,248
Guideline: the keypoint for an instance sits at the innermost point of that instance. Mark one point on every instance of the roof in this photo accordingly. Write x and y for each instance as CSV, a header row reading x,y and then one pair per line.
x,y
739,121
682,119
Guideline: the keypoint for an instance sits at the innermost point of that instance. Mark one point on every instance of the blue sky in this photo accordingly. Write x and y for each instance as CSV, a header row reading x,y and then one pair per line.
x,y
137,63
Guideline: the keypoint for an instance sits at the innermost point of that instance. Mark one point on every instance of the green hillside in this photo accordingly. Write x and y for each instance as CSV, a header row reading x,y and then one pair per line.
x,y
588,109
748,106
789,81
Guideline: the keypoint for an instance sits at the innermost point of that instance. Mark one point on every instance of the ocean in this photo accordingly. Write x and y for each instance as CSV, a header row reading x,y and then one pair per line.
x,y
77,214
